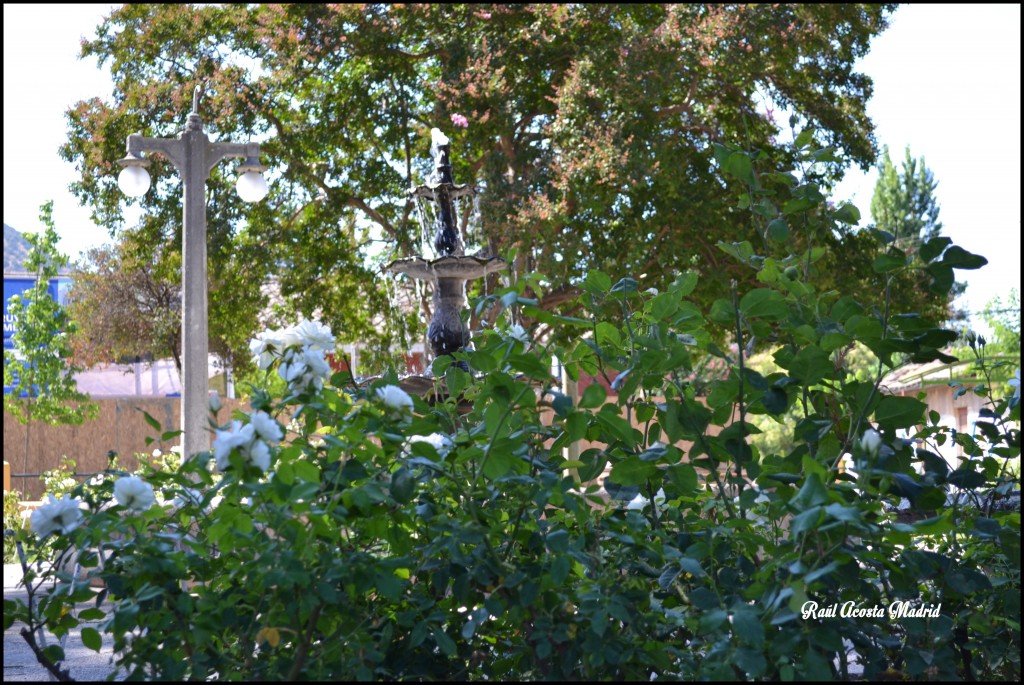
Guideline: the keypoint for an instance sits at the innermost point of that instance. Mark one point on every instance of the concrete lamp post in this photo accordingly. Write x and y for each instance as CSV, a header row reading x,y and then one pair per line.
x,y
194,156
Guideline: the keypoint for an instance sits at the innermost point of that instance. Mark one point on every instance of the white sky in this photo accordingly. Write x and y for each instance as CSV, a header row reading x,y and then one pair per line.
x,y
947,83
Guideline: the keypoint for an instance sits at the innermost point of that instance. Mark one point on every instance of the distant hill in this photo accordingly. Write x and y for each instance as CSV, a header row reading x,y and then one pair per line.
x,y
16,250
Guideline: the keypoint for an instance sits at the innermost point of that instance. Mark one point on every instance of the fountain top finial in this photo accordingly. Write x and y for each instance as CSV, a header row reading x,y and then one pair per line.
x,y
442,176
437,139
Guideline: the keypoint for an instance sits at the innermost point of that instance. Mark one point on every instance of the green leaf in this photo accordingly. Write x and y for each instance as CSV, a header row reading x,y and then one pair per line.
x,y
625,285
483,361
633,471
812,493
91,638
705,599
933,248
53,653
682,479
722,312
498,463
721,153
848,214
403,485
457,380
663,306
884,237
594,396
747,626
820,572
797,204
787,478
966,581
966,478
306,471
739,165
899,412
942,278
558,541
778,230
575,426
808,520
751,661
684,284
811,365
617,491
889,261
92,614
668,576
815,667
562,404
764,302
444,643
153,423
959,258
599,281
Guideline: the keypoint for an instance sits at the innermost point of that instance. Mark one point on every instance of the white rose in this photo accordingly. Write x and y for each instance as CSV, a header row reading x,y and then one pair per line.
x,y
227,440
134,493
61,516
259,455
871,442
397,402
314,335
441,443
266,427
265,348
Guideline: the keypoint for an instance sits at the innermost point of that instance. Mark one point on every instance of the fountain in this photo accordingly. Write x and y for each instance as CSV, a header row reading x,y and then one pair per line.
x,y
450,269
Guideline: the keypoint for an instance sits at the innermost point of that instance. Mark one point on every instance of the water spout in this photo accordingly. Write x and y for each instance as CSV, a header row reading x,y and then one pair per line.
x,y
446,240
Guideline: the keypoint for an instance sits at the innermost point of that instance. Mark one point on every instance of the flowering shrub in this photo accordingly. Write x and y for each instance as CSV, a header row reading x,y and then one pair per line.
x,y
385,537
13,522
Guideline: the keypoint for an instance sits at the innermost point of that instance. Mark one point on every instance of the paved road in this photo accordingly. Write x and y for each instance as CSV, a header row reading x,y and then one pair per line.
x,y
20,663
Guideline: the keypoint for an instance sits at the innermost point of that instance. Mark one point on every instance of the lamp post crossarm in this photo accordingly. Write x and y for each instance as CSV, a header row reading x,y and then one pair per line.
x,y
174,150
171,148
219,151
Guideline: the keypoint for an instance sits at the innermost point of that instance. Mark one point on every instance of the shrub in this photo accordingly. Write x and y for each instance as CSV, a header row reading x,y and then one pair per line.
x,y
388,537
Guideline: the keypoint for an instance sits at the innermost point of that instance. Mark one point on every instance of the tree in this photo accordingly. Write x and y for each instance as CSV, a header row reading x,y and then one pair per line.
x,y
42,383
128,298
126,306
905,208
904,202
588,128
1003,318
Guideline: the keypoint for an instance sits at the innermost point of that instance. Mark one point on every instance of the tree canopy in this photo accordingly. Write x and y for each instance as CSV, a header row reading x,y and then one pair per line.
x,y
589,130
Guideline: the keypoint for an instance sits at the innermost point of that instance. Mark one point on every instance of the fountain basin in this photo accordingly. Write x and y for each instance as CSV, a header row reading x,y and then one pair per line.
x,y
452,266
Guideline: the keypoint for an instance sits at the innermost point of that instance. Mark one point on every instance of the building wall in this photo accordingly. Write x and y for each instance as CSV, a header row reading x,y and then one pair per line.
x,y
960,413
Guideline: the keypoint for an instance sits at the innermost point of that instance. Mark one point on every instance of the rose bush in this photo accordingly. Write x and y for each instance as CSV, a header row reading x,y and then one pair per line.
x,y
388,537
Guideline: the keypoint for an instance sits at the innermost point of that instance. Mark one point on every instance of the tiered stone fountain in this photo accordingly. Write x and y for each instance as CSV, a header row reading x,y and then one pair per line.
x,y
451,267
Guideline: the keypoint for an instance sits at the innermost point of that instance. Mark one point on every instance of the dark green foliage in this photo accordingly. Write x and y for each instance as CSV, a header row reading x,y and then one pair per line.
x,y
687,553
